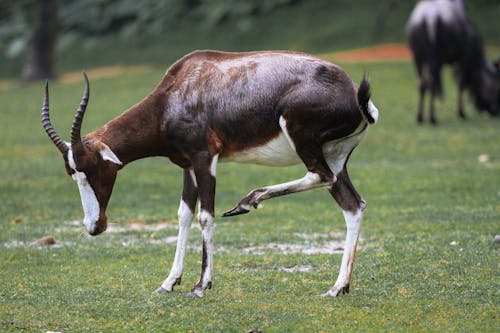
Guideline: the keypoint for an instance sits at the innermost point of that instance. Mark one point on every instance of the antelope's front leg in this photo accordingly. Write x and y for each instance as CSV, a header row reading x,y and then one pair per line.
x,y
205,176
185,213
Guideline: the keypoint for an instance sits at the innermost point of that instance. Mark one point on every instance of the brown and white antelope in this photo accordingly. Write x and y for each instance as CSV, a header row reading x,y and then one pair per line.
x,y
270,108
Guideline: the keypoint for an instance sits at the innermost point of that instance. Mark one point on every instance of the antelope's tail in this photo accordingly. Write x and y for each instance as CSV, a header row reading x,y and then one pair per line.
x,y
368,109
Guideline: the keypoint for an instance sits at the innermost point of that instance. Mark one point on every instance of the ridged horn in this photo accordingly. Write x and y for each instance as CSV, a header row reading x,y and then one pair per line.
x,y
47,125
76,138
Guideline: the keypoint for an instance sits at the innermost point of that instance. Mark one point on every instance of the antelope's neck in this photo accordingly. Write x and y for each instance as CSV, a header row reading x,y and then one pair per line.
x,y
136,133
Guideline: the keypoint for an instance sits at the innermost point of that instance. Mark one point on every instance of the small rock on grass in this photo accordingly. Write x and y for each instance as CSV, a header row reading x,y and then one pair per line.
x,y
44,241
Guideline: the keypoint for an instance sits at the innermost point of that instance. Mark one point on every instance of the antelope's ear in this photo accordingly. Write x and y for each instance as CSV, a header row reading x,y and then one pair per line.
x,y
108,155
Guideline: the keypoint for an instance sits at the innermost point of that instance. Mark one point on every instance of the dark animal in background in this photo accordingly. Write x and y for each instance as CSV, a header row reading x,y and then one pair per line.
x,y
269,108
439,32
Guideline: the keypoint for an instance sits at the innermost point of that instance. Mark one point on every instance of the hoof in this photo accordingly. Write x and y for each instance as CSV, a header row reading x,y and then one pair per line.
x,y
161,290
238,210
169,286
336,291
195,294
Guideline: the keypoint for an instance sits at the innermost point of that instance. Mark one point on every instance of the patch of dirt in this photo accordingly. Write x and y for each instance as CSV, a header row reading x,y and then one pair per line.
x,y
386,52
6,84
77,76
47,240
101,72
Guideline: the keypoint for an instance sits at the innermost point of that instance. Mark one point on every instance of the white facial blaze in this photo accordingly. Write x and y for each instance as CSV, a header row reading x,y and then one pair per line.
x,y
87,195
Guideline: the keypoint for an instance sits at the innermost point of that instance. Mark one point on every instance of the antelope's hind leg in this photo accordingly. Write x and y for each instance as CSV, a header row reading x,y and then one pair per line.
x,y
309,181
337,154
185,214
318,173
352,207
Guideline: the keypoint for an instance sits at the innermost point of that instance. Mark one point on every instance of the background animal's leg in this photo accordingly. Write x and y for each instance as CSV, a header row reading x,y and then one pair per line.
x,y
205,176
436,87
185,214
309,181
461,112
432,111
420,111
352,207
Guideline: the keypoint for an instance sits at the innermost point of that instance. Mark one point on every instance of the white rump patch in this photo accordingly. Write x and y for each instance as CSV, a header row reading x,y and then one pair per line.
x,y
87,196
372,109
337,151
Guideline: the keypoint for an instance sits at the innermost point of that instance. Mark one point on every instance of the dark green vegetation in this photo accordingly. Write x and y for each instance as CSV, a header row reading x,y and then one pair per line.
x,y
98,33
427,260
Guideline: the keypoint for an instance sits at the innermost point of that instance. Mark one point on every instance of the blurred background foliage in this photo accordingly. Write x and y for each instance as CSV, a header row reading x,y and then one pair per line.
x,y
103,32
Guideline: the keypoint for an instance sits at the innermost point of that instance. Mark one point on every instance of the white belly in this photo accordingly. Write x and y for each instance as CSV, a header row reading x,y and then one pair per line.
x,y
277,152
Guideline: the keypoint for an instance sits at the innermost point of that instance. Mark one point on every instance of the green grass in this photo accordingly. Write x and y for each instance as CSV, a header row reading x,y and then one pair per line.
x,y
428,262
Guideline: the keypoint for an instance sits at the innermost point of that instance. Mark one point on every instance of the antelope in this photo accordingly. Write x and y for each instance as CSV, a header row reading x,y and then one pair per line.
x,y
439,33
274,108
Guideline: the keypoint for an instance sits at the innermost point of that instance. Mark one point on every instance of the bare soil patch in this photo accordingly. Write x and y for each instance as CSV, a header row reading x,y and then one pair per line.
x,y
386,52
76,76
101,72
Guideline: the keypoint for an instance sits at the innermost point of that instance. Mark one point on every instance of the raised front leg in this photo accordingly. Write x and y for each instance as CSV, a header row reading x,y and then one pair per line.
x,y
352,207
205,169
185,213
309,181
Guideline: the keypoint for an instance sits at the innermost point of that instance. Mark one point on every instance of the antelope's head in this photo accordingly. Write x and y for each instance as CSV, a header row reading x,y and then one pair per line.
x,y
90,162
488,96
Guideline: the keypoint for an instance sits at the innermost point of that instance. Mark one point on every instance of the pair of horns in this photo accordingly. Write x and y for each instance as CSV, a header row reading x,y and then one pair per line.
x,y
76,139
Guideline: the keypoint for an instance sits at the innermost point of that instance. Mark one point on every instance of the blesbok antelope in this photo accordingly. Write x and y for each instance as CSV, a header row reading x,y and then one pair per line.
x,y
439,33
270,108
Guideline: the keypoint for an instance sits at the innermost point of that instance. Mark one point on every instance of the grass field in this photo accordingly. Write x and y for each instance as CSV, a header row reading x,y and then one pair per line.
x,y
427,260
